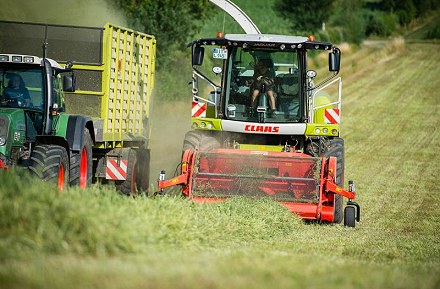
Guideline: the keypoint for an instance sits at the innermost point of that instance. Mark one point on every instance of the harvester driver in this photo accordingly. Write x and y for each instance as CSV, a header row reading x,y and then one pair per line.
x,y
262,75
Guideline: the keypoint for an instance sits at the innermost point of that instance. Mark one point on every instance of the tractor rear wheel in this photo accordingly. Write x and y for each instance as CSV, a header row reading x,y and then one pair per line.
x,y
81,163
51,163
336,149
129,186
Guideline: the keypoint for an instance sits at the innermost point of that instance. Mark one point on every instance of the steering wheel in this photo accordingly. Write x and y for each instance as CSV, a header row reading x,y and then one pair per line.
x,y
15,99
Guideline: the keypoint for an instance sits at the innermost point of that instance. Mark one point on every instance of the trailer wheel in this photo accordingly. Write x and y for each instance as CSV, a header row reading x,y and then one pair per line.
x,y
143,174
336,149
51,163
129,186
196,139
81,163
349,216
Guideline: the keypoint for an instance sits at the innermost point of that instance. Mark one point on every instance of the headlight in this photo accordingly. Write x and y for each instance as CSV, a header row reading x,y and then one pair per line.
x,y
2,140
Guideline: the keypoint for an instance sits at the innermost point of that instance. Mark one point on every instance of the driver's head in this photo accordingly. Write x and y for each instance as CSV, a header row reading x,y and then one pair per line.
x,y
263,64
15,81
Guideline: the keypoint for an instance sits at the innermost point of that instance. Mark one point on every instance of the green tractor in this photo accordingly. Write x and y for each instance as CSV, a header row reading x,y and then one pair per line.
x,y
34,133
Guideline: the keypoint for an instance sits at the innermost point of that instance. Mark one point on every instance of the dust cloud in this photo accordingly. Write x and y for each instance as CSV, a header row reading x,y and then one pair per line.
x,y
170,121
68,12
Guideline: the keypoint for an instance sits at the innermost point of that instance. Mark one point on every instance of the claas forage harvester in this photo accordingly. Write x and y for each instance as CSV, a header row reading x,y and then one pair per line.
x,y
265,131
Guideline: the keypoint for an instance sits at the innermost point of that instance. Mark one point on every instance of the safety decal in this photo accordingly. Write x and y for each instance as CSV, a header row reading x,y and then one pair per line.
x,y
198,109
116,170
332,116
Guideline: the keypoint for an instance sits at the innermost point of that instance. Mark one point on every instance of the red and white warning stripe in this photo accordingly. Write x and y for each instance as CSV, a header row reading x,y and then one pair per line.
x,y
115,171
198,109
332,116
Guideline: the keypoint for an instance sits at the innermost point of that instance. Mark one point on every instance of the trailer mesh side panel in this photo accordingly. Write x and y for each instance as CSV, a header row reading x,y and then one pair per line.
x,y
289,179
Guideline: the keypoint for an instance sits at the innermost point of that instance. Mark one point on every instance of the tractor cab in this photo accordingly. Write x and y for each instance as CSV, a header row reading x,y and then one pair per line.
x,y
31,93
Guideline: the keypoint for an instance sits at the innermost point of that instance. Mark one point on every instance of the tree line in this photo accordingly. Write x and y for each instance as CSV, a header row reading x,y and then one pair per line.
x,y
175,22
352,21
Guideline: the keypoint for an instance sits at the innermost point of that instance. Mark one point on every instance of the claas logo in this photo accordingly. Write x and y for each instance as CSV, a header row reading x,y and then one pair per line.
x,y
261,128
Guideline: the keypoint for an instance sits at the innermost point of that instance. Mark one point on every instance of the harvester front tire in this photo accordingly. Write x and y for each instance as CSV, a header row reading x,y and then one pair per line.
x,y
129,186
200,140
51,163
350,216
81,163
336,149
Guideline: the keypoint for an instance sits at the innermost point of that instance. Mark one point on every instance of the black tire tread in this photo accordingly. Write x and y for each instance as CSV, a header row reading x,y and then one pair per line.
x,y
75,159
143,176
203,141
46,160
350,216
336,149
125,187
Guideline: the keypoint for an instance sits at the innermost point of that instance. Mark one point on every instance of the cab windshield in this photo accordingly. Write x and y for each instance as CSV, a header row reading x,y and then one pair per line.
x,y
262,86
21,87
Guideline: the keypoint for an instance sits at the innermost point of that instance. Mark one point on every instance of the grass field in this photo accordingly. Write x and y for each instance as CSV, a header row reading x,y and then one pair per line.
x,y
98,239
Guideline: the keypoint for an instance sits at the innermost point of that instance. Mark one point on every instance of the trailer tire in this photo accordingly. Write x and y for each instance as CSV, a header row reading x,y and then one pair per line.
x,y
336,149
81,163
129,186
143,174
200,140
349,216
51,163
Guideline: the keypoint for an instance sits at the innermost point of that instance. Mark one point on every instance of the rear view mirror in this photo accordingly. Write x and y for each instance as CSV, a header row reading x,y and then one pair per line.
x,y
334,60
198,55
69,83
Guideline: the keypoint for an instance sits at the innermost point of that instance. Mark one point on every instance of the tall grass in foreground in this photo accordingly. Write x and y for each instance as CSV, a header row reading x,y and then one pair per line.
x,y
35,218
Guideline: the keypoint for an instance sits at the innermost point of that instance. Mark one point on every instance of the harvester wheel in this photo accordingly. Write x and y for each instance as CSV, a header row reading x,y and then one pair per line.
x,y
129,187
143,174
196,139
51,163
349,216
81,163
336,149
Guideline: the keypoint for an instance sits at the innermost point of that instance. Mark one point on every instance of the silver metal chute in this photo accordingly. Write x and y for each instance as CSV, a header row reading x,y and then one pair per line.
x,y
239,16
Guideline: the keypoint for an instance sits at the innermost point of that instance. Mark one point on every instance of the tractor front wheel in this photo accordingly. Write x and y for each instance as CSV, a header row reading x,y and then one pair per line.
x,y
51,163
82,163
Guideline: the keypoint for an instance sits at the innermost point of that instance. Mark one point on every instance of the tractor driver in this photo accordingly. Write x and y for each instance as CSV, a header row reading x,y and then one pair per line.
x,y
262,75
16,92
